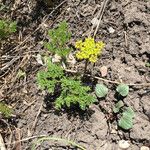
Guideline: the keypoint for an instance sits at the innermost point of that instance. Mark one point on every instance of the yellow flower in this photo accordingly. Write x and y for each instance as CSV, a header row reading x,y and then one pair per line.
x,y
89,49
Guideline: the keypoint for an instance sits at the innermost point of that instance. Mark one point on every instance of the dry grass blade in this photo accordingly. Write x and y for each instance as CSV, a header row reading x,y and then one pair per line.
x,y
2,145
100,15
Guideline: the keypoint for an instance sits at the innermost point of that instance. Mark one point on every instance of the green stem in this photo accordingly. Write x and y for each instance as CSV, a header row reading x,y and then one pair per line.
x,y
56,139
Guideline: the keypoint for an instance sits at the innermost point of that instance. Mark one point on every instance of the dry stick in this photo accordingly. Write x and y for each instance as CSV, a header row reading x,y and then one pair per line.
x,y
98,15
36,118
106,80
101,15
26,139
2,145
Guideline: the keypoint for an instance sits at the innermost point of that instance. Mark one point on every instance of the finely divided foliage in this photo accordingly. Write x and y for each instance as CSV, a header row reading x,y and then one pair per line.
x,y
6,28
59,39
72,91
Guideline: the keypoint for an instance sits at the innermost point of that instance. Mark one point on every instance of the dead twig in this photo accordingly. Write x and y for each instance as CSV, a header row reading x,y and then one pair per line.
x,y
99,16
26,139
109,81
125,37
36,118
9,64
2,145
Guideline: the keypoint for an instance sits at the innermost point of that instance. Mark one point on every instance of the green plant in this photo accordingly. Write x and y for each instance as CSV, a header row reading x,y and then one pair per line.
x,y
123,89
117,106
126,120
72,92
6,28
48,79
59,39
5,110
101,90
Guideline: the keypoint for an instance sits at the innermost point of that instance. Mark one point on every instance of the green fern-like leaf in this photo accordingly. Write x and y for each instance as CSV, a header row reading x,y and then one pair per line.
x,y
5,110
6,28
59,38
49,78
74,93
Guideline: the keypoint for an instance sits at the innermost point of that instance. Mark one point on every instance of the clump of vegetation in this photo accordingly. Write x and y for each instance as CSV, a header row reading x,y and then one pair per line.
x,y
72,92
48,79
89,49
124,114
59,39
5,110
6,28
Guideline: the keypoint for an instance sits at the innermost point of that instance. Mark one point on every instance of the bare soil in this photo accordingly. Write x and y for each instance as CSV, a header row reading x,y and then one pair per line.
x,y
126,52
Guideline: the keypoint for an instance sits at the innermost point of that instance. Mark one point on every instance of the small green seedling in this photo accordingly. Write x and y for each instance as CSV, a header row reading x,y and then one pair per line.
x,y
126,120
59,39
101,90
5,110
6,28
123,89
117,106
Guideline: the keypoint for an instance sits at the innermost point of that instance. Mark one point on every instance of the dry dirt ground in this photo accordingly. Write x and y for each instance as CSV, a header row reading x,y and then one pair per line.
x,y
125,28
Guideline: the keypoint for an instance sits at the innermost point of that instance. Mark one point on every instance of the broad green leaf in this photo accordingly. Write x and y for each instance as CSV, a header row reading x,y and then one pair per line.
x,y
126,121
101,90
123,89
117,106
129,112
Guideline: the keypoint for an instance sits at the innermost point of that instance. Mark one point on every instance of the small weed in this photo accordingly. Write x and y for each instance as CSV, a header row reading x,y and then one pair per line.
x,y
5,110
127,114
6,28
72,91
59,39
101,90
123,89
126,120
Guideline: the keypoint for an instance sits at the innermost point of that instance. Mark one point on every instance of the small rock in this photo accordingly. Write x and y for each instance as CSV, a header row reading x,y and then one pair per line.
x,y
39,59
103,71
94,22
111,30
71,60
144,148
123,144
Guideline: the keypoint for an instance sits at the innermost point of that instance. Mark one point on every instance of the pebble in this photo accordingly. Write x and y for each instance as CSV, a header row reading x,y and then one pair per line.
x,y
111,30
94,21
123,144
144,148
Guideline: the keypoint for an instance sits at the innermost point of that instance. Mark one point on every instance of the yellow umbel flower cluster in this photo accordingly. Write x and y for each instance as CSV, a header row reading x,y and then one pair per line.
x,y
89,49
